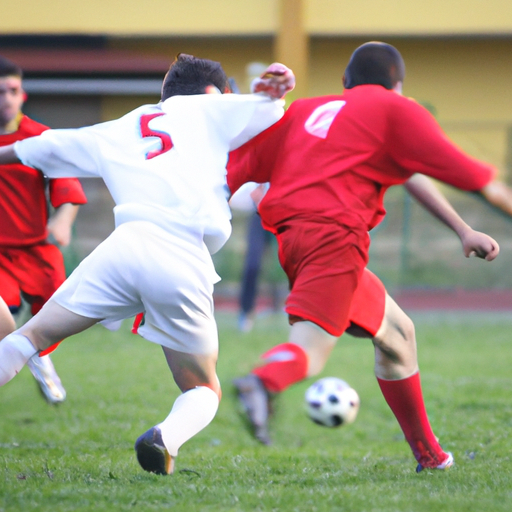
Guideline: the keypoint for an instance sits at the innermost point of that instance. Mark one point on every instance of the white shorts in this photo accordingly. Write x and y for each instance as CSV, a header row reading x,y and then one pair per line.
x,y
141,267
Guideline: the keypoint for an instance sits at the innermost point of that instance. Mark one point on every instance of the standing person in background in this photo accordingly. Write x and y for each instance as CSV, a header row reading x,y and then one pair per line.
x,y
259,242
30,266
329,162
258,239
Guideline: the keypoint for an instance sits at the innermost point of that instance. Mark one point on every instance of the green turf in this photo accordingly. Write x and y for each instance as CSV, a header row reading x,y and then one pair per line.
x,y
79,456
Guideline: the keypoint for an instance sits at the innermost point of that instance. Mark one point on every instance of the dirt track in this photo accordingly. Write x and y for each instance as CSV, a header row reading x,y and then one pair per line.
x,y
457,299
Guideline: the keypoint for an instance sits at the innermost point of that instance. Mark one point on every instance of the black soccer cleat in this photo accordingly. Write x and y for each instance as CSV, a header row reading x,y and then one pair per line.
x,y
152,453
255,400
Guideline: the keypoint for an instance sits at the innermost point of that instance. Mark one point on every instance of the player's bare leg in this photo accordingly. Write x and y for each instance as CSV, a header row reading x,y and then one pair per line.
x,y
52,324
305,355
396,369
7,323
395,344
192,411
316,342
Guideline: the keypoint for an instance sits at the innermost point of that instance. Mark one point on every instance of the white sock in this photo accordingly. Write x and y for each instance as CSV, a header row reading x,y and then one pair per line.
x,y
192,411
15,351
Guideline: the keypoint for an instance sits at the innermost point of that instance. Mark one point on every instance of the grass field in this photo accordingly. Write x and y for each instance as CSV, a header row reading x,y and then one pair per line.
x,y
79,456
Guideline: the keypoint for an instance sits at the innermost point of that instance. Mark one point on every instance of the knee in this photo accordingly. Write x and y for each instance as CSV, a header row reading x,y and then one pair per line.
x,y
407,329
396,337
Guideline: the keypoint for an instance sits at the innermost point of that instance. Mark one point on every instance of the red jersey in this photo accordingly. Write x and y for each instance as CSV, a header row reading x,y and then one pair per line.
x,y
23,201
333,157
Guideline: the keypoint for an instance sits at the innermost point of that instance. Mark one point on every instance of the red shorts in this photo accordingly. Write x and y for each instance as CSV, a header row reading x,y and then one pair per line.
x,y
368,303
324,263
35,271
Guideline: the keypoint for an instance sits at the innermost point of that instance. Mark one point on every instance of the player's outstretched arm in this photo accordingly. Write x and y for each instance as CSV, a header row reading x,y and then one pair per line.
x,y
276,81
8,155
474,243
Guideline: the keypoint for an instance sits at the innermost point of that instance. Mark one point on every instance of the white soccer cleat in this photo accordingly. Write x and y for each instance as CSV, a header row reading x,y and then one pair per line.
x,y
49,382
448,463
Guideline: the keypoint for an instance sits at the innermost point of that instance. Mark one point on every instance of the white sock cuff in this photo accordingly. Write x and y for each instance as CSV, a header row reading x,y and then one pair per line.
x,y
15,351
20,343
200,395
205,391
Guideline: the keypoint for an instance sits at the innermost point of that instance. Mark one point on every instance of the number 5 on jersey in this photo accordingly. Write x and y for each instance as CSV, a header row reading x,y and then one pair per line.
x,y
146,131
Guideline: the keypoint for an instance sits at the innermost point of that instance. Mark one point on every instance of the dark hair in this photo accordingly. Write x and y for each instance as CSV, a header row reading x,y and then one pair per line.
x,y
374,63
190,75
8,68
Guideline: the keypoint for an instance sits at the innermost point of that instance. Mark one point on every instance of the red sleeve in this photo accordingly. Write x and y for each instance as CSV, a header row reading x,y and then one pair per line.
x,y
254,160
421,146
66,190
239,167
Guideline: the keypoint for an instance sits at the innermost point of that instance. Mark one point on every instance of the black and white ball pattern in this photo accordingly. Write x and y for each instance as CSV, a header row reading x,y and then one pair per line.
x,y
331,402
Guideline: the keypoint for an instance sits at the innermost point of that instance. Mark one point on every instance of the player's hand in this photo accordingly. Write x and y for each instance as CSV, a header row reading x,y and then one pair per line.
x,y
475,243
60,231
60,225
276,81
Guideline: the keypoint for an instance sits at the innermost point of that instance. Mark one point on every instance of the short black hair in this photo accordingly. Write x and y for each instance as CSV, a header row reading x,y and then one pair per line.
x,y
9,68
191,75
374,63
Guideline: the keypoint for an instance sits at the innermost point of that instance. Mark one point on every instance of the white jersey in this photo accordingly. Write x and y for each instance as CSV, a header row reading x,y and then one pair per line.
x,y
163,163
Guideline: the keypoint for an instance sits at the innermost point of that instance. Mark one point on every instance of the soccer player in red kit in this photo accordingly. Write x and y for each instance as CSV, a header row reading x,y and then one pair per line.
x,y
329,162
30,266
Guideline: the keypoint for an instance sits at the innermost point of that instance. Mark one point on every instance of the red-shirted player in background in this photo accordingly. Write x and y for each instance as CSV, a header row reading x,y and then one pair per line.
x,y
30,266
329,162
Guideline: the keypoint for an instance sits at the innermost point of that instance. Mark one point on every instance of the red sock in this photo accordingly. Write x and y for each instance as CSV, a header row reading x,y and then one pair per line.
x,y
139,320
284,365
35,308
405,399
49,350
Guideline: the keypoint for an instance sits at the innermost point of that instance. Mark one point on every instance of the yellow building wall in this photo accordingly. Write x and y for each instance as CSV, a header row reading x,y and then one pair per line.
x,y
465,79
234,54
408,17
249,17
148,17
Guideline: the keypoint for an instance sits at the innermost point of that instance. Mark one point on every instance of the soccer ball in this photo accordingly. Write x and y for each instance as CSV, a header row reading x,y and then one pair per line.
x,y
331,402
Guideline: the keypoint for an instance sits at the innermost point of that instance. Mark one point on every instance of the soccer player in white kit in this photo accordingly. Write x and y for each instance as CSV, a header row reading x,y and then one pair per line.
x,y
164,165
